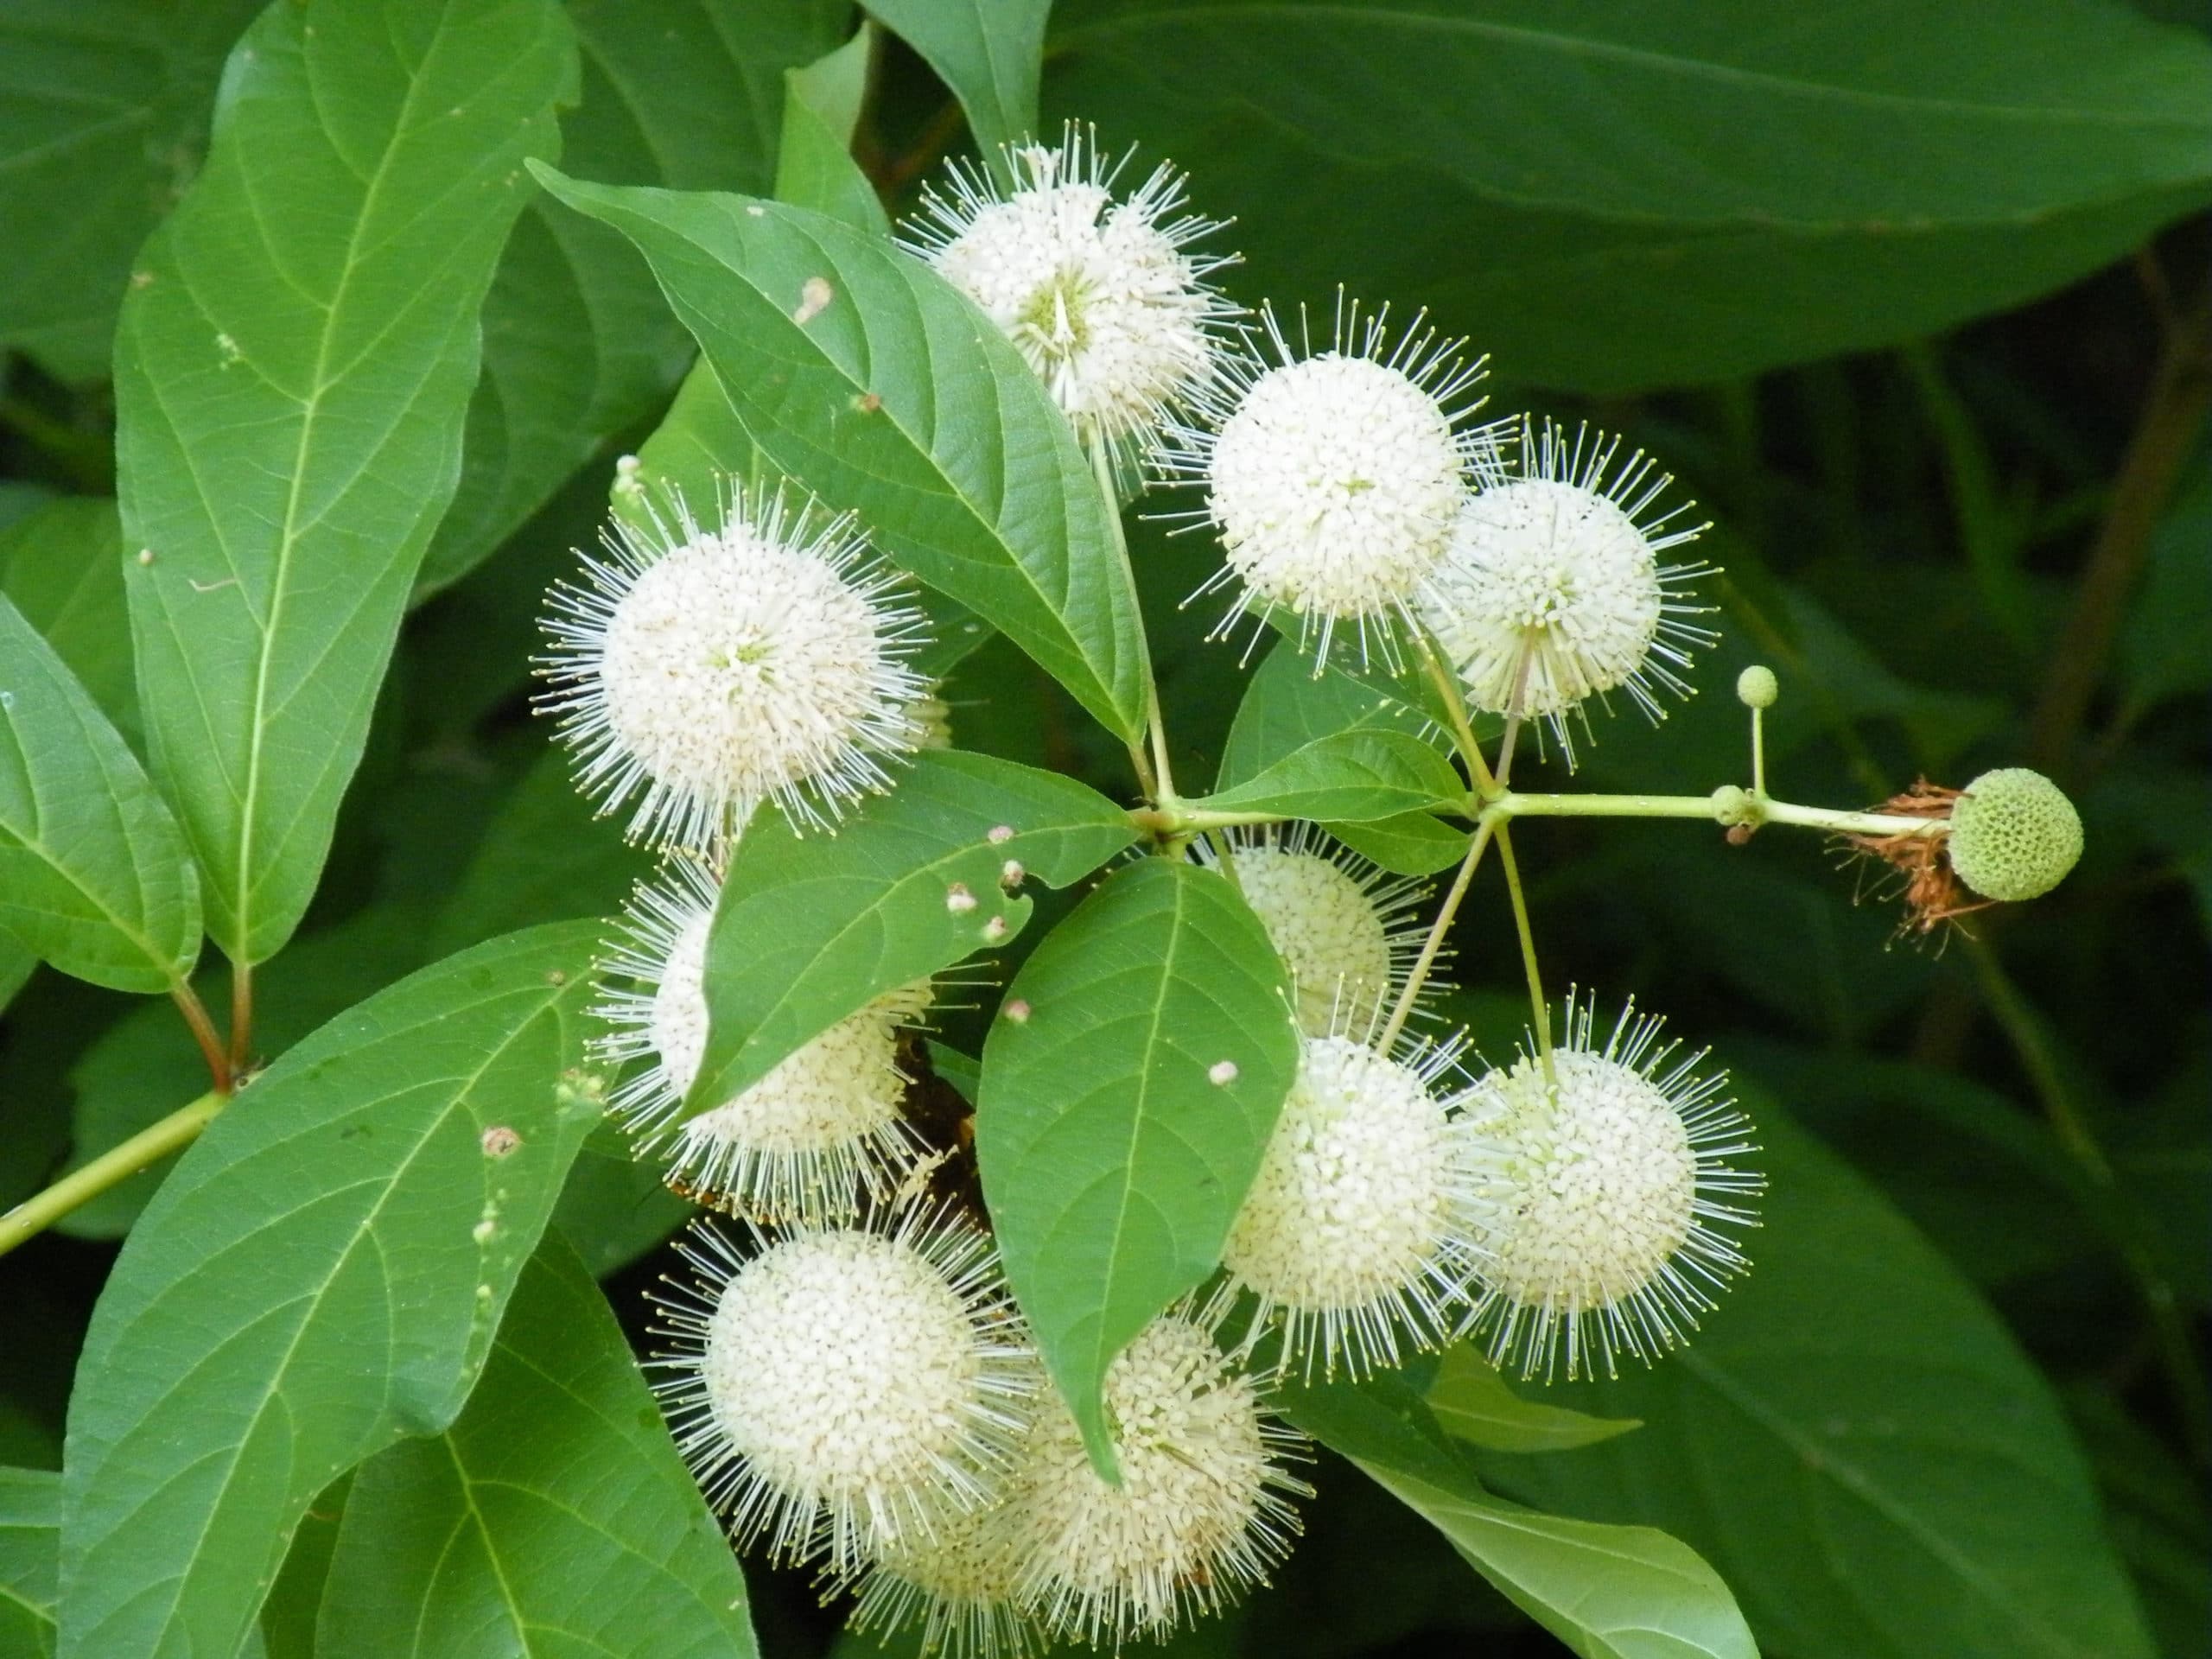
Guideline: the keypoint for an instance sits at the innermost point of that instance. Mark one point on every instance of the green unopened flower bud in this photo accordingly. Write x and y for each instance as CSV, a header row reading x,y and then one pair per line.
x,y
1757,687
1732,805
2014,835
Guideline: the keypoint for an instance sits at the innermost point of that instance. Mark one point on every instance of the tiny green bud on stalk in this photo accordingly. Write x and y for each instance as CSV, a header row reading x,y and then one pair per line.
x,y
1757,687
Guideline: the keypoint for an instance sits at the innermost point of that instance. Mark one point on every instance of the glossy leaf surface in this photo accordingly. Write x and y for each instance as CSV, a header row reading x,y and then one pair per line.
x,y
293,367
321,1276
1118,1126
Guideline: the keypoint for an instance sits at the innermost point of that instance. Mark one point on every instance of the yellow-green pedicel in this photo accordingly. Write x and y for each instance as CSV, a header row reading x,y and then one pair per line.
x,y
2014,835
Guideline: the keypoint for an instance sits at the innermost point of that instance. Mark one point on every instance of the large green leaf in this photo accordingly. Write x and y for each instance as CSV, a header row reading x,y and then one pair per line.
x,y
861,372
321,1276
1352,776
30,1544
810,928
815,167
578,344
1859,1445
62,567
988,51
554,1518
293,367
1120,1124
1607,1592
1410,843
103,113
1576,179
94,876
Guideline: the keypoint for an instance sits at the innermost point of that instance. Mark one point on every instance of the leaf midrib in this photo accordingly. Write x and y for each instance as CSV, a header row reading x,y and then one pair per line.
x,y
321,385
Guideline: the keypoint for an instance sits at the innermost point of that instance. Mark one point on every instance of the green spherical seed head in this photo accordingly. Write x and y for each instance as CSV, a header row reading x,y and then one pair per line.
x,y
1757,687
2014,835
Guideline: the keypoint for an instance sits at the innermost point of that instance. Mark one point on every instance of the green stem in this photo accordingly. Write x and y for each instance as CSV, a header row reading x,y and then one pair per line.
x,y
40,1211
1455,708
1159,780
203,1030
2024,1028
1512,805
1758,752
1537,1004
1435,942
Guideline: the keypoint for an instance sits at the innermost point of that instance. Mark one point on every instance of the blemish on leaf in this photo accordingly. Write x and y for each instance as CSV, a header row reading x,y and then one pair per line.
x,y
1017,1010
995,930
1000,835
814,297
145,556
1011,874
500,1141
959,899
1221,1073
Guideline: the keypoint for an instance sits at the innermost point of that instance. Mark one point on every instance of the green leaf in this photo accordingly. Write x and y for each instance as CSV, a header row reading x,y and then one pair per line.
x,y
293,367
1473,1403
815,167
1286,705
1411,843
810,928
1859,1445
895,398
321,1276
544,857
103,113
138,1069
988,51
578,344
1643,241
1607,1592
30,1545
1113,1161
554,1518
62,565
94,877
1352,776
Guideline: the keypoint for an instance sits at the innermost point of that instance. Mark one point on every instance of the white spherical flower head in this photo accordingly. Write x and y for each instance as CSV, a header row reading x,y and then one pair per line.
x,y
702,672
807,1141
1605,1192
1552,591
1333,479
1102,297
1346,930
846,1390
958,1585
1202,1510
1358,1235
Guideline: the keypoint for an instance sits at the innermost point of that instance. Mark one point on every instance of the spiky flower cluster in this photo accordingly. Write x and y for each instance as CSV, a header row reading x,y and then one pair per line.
x,y
700,671
1552,592
1359,1238
1607,1179
844,1391
1333,477
1101,295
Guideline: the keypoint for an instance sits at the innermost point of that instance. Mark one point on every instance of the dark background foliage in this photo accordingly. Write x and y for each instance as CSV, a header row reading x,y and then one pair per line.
x,y
1963,498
